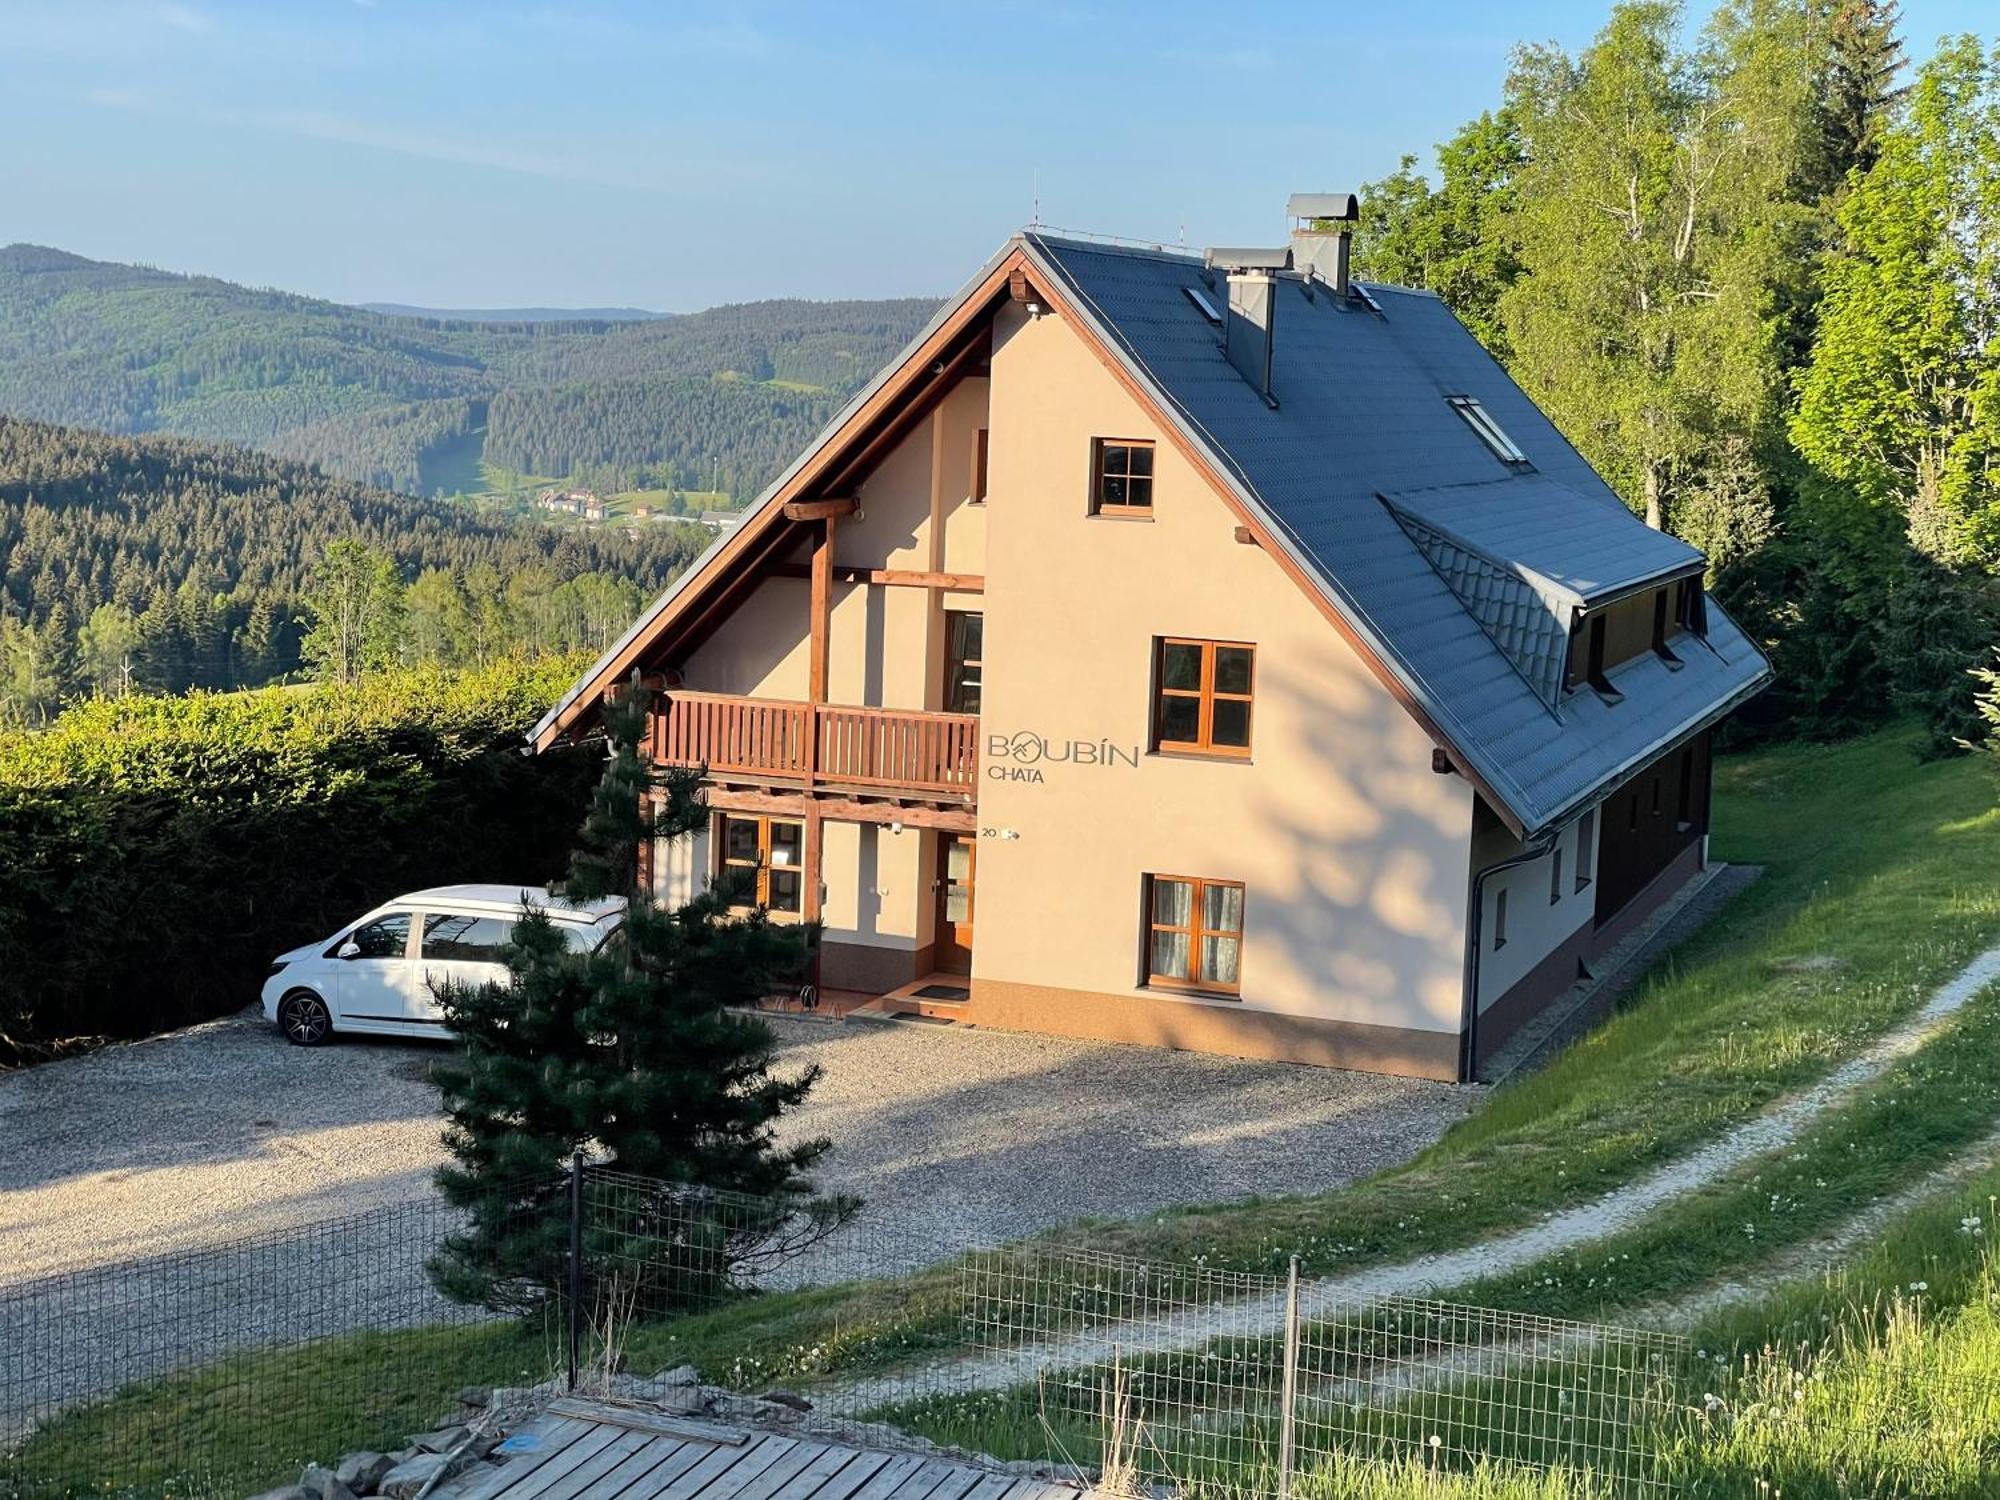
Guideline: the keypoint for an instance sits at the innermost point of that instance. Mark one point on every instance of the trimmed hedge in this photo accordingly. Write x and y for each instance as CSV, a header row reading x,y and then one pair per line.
x,y
157,853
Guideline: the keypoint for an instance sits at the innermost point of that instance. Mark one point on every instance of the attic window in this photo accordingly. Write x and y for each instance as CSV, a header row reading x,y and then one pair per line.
x,y
1490,432
1203,306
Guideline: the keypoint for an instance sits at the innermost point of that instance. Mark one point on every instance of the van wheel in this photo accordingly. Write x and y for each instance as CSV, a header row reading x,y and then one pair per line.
x,y
304,1019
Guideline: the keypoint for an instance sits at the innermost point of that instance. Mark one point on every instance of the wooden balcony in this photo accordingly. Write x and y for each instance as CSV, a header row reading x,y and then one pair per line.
x,y
866,750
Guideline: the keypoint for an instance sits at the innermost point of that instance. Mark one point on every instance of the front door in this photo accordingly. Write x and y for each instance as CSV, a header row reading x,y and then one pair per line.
x,y
954,914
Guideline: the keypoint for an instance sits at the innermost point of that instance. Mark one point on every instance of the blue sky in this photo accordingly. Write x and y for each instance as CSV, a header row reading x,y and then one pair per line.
x,y
675,156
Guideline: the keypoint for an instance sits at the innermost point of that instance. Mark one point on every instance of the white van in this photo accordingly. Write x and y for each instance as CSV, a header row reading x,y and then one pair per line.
x,y
379,975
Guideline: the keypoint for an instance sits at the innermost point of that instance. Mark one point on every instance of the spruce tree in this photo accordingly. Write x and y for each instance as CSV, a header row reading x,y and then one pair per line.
x,y
638,1054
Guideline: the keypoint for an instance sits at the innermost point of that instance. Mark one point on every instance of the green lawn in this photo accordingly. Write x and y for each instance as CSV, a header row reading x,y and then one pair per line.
x,y
1883,877
250,1422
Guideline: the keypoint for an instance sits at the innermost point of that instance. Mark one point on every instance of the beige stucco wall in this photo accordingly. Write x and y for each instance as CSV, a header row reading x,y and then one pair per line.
x,y
885,646
885,649
1353,850
877,882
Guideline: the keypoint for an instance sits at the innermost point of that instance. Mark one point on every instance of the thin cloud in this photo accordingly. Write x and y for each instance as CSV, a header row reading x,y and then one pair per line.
x,y
345,130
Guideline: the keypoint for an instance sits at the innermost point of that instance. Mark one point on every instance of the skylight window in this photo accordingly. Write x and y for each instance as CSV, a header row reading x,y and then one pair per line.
x,y
1202,305
1490,432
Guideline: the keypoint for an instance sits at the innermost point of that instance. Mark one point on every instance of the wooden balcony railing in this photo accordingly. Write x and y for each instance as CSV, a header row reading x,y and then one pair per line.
x,y
893,749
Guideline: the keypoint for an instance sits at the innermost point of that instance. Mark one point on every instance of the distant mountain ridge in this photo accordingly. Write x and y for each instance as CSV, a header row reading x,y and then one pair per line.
x,y
515,314
720,398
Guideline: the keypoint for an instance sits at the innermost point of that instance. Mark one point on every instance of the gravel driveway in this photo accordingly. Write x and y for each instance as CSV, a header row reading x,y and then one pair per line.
x,y
223,1130
138,1164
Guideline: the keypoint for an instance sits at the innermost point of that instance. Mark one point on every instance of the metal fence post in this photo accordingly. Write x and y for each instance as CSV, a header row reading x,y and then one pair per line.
x,y
1288,1398
575,1265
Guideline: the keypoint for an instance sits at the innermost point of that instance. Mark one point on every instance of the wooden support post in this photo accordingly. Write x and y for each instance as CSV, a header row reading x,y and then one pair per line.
x,y
810,906
822,607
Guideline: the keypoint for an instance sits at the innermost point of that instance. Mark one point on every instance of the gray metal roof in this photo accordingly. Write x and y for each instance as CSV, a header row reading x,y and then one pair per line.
x,y
1362,414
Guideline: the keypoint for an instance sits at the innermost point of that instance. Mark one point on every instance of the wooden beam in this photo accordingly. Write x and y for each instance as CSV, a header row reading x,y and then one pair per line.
x,y
1246,536
842,809
904,578
820,510
970,314
1020,288
814,860
822,604
903,423
730,590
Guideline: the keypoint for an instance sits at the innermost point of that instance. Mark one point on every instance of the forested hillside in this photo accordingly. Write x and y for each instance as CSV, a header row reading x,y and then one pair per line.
x,y
1753,272
164,563
414,403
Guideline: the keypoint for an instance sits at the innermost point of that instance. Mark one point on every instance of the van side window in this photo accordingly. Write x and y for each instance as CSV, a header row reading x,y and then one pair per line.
x,y
451,935
385,937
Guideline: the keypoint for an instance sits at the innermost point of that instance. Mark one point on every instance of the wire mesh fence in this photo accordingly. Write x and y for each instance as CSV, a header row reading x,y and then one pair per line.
x,y
223,1371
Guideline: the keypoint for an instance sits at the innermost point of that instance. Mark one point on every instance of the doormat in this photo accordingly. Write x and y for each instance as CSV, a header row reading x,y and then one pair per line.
x,y
942,992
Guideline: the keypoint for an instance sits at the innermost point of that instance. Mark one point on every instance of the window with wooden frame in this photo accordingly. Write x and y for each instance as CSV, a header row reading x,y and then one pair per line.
x,y
979,467
1121,478
761,861
965,635
1194,934
1201,696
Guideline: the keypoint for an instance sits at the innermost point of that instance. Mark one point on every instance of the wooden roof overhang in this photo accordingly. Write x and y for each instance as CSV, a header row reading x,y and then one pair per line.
x,y
926,373
822,485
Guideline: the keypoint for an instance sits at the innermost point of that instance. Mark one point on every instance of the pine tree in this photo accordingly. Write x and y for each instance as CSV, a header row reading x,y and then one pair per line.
x,y
257,643
639,1052
61,666
1860,87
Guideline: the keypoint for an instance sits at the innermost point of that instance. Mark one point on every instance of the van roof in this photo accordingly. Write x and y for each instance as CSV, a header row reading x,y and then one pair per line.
x,y
508,899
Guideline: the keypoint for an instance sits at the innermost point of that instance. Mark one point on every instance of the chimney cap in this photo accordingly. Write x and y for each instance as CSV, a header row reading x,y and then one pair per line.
x,y
1343,206
1250,260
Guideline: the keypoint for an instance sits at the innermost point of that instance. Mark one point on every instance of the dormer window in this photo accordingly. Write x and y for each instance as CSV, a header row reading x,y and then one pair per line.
x,y
1491,433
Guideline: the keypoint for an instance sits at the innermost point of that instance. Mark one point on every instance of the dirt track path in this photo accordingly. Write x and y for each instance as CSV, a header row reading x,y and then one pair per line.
x,y
1263,1316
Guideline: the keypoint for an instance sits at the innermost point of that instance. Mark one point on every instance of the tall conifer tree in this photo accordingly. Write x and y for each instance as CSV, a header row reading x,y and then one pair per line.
x,y
640,1052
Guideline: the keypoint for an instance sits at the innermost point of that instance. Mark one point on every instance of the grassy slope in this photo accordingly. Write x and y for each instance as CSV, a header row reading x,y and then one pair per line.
x,y
1886,867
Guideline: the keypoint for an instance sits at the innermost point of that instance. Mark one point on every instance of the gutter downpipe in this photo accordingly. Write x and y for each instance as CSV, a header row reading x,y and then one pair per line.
x,y
1468,1031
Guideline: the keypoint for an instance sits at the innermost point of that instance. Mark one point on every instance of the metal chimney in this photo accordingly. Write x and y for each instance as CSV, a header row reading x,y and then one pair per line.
x,y
1320,252
1250,326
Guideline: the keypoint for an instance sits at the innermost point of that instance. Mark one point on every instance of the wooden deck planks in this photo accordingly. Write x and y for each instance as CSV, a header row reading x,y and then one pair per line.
x,y
846,1478
556,1433
584,1478
587,1457
586,1446
654,1466
723,1474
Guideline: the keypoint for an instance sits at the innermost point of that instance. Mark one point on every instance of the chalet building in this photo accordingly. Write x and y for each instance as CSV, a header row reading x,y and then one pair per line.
x,y
1203,651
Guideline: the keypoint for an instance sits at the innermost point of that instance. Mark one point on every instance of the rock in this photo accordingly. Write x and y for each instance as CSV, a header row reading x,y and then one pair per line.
x,y
780,1397
403,1481
441,1441
682,1400
678,1375
362,1472
324,1484
476,1396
